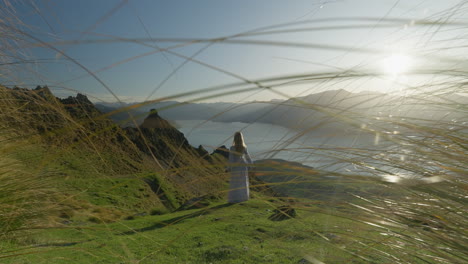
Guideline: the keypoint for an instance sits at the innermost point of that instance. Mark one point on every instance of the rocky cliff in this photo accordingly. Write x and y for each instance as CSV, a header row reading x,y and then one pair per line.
x,y
173,167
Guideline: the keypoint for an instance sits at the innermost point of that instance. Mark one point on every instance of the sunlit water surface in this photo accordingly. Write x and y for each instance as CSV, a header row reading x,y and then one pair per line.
x,y
326,151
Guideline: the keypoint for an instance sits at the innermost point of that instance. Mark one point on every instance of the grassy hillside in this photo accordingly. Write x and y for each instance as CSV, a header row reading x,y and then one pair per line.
x,y
77,188
91,168
221,233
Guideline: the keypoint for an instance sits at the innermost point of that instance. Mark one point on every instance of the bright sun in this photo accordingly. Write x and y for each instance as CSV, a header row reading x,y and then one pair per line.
x,y
396,64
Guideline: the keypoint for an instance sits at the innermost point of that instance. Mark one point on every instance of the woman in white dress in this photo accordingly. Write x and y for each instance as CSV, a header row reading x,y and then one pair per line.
x,y
239,159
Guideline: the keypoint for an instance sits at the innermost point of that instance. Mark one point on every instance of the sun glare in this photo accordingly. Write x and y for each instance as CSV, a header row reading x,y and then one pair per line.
x,y
396,64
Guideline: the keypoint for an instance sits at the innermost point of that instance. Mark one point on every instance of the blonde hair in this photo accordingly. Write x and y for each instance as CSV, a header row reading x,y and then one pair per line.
x,y
238,142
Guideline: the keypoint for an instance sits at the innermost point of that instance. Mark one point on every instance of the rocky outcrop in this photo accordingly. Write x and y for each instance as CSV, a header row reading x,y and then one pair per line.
x,y
155,146
202,152
158,138
155,121
80,106
30,111
195,169
222,151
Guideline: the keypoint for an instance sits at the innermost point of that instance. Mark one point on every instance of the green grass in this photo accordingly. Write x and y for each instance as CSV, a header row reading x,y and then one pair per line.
x,y
220,233
71,195
108,218
100,209
89,190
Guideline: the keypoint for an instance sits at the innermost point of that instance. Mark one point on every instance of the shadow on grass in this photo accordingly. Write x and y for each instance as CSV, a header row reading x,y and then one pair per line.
x,y
64,244
175,220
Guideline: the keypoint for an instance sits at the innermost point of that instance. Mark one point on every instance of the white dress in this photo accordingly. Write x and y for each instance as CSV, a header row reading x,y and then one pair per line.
x,y
239,183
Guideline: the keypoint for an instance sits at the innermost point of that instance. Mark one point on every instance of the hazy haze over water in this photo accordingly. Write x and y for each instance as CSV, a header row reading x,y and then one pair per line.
x,y
271,141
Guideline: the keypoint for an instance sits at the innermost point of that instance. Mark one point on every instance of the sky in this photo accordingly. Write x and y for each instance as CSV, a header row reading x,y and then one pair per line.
x,y
137,50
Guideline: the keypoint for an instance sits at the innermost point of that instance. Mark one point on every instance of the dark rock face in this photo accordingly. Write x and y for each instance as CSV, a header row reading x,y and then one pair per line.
x,y
187,167
223,151
34,110
156,144
162,143
202,152
157,137
44,92
40,111
155,121
80,106
43,113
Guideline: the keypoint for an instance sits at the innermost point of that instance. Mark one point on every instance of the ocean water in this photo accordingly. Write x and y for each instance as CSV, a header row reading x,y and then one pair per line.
x,y
320,150
352,153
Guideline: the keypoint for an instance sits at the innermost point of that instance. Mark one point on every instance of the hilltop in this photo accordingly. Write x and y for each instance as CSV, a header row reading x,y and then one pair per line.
x,y
77,187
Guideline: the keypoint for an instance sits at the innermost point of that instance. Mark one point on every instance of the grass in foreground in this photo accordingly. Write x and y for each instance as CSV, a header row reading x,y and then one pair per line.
x,y
219,233
429,227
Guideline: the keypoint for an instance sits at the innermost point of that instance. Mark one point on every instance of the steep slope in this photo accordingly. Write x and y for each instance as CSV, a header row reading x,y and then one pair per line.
x,y
99,171
191,169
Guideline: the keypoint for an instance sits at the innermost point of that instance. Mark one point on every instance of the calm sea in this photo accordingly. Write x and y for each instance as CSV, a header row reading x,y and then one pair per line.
x,y
319,150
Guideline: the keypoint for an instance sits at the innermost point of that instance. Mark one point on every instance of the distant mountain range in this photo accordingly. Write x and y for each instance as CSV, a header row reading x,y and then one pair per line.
x,y
335,110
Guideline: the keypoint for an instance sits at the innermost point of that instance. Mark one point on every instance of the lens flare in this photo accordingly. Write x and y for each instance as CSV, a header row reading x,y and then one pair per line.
x,y
397,64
